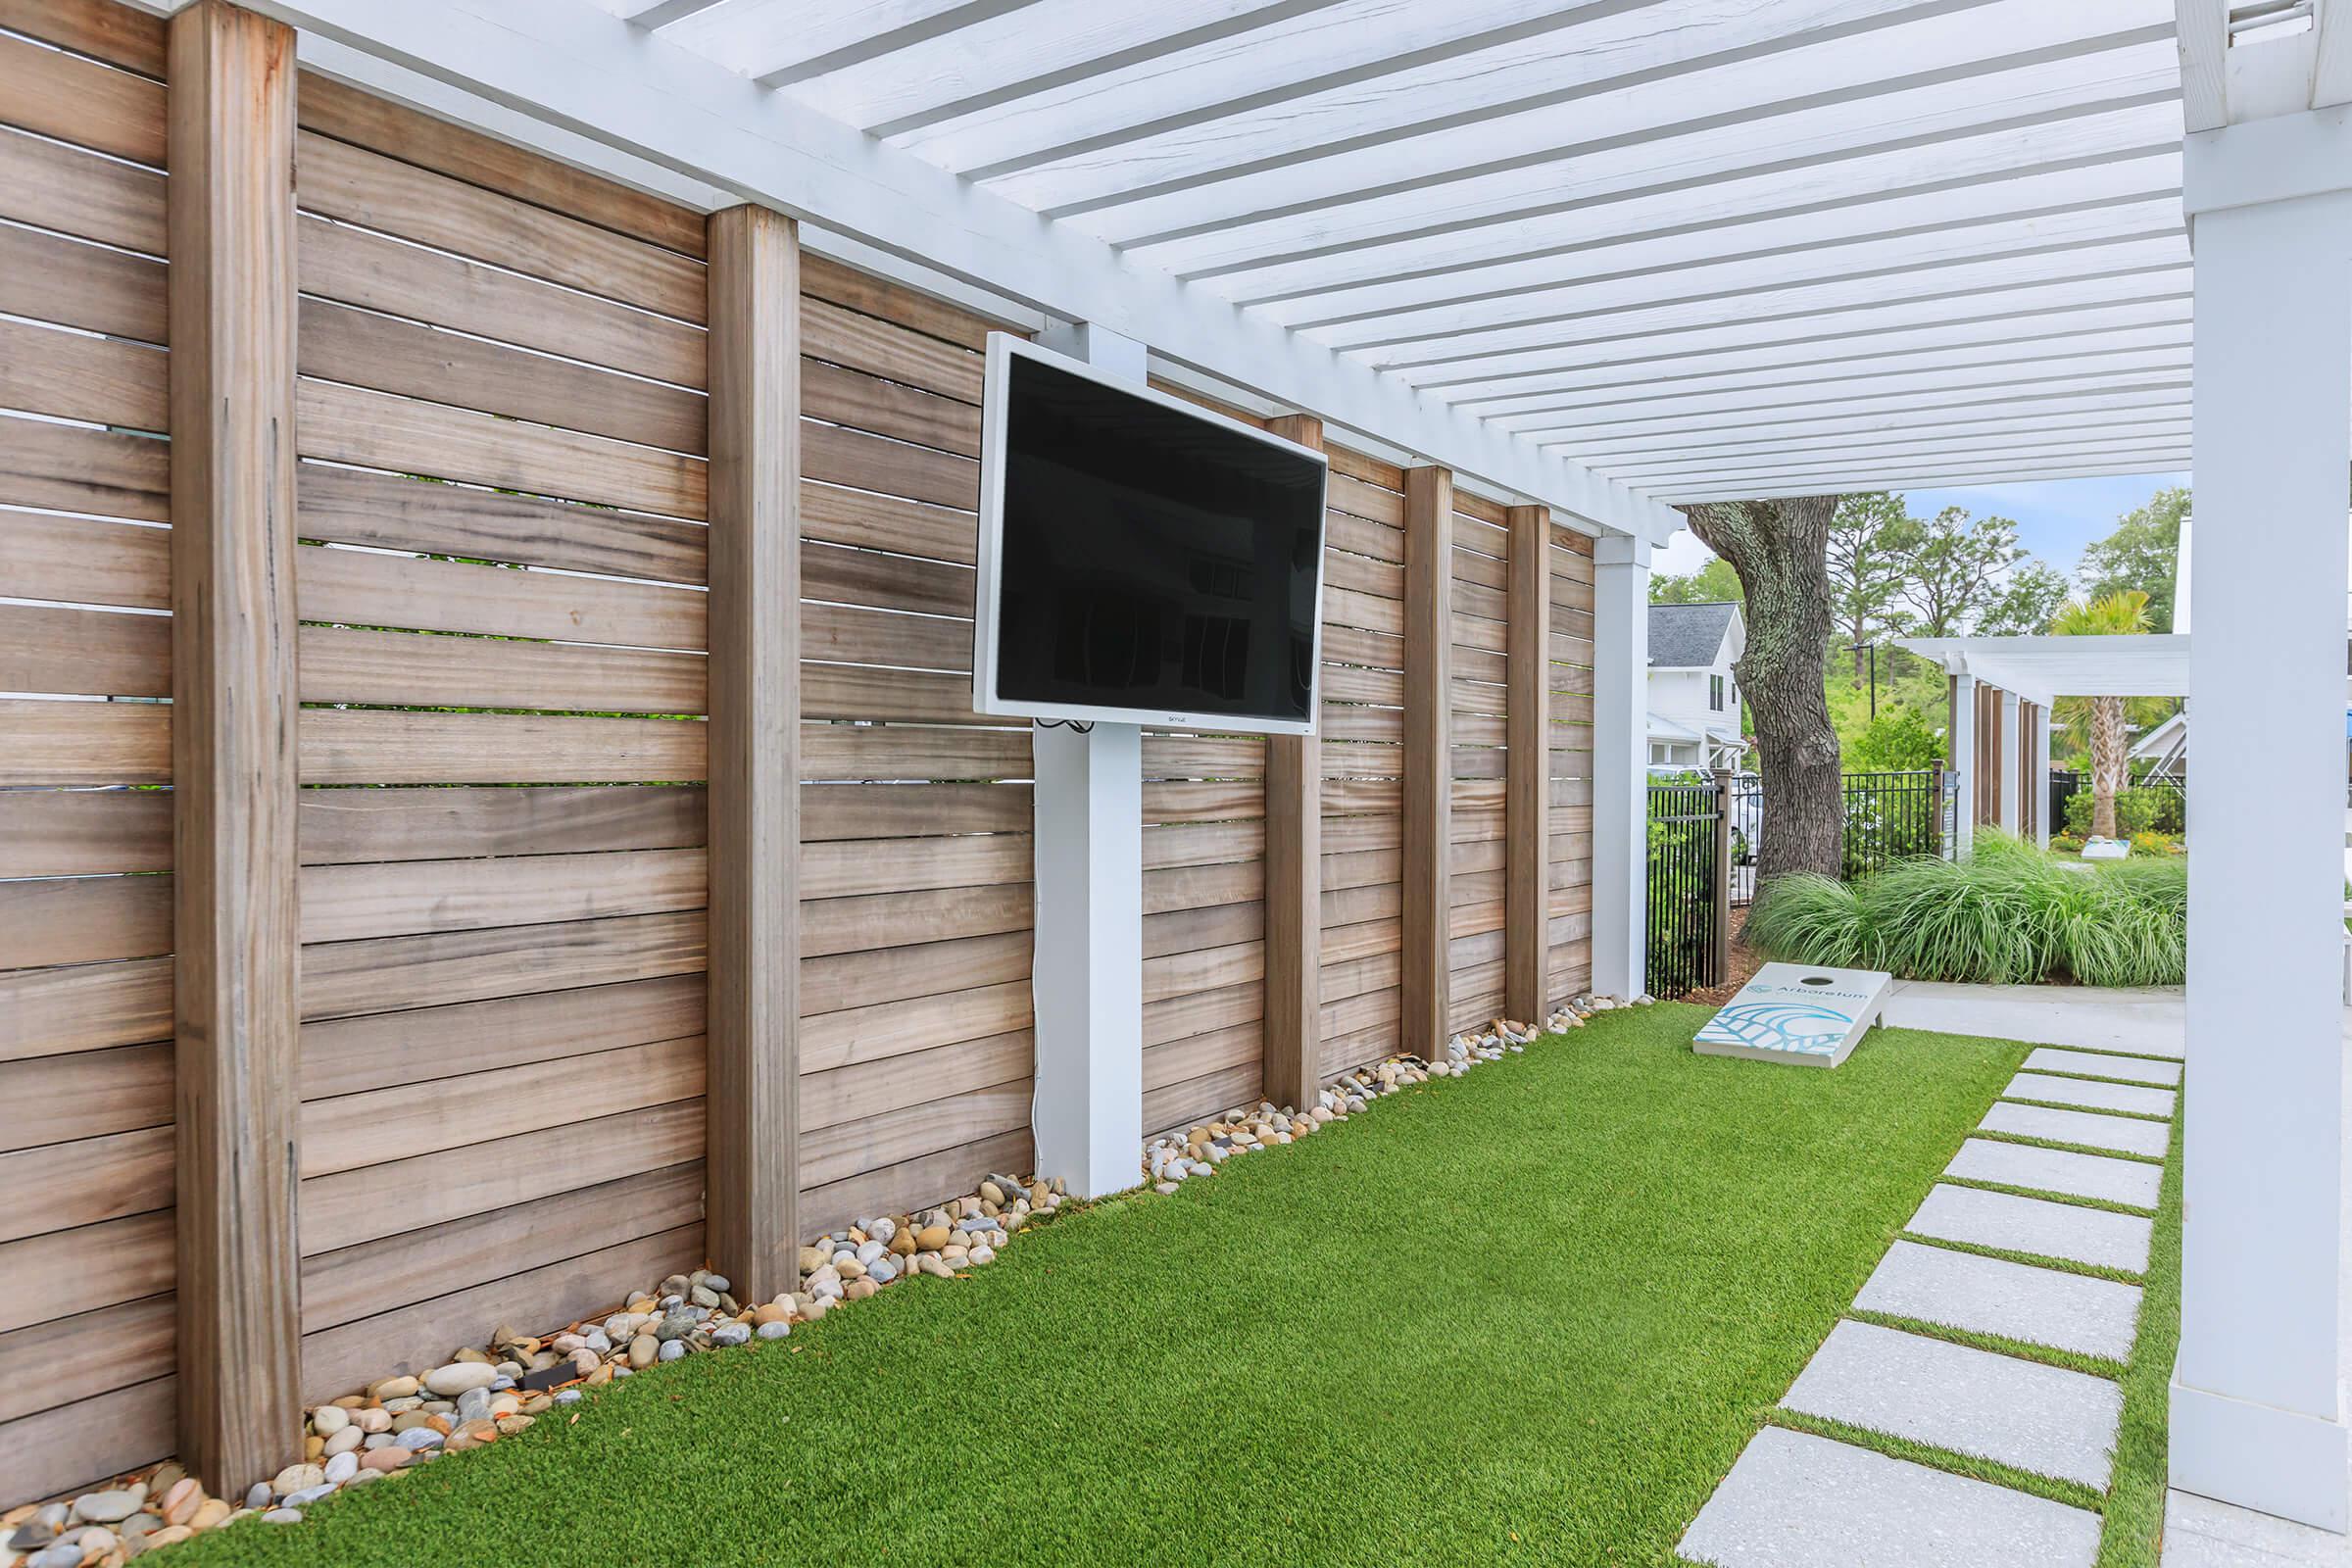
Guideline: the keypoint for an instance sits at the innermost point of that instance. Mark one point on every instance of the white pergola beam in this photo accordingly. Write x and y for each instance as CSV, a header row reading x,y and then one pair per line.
x,y
2201,30
1721,64
2036,357
1846,481
1878,192
2145,214
2106,274
1920,384
1872,417
1908,449
1383,286
1242,61
2331,66
1656,474
591,73
1967,121
2158,386
652,13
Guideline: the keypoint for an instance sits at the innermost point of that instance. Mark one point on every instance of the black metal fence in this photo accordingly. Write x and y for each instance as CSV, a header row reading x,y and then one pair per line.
x,y
2065,784
1889,817
1696,879
1682,914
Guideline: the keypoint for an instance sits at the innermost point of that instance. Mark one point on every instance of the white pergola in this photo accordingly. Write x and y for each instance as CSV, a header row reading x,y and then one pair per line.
x,y
2040,670
1613,255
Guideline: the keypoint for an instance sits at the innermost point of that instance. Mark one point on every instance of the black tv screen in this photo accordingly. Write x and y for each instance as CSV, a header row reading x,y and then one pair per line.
x,y
1142,560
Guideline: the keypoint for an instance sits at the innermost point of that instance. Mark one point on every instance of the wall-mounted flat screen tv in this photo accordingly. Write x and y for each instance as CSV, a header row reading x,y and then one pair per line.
x,y
1142,560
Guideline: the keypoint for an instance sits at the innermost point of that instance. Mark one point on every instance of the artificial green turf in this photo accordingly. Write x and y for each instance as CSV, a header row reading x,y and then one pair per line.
x,y
2135,1530
1532,1316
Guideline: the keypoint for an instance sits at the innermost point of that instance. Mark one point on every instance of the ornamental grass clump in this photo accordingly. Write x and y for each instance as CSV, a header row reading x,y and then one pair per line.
x,y
1810,918
2007,915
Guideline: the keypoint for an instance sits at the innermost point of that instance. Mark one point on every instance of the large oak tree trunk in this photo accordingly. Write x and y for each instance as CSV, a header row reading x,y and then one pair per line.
x,y
1781,550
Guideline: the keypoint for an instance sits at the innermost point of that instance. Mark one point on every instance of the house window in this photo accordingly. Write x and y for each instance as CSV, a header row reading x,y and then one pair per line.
x,y
1715,692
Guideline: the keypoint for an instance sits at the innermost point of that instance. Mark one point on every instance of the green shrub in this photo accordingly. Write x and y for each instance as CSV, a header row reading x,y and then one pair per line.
x,y
2008,915
1900,740
2155,842
2136,809
1817,916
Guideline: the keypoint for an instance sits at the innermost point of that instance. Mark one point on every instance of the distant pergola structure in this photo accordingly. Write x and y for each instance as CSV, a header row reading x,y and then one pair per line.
x,y
1607,257
2002,691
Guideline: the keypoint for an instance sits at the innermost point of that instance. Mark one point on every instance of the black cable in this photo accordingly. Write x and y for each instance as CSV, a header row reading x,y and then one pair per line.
x,y
1074,725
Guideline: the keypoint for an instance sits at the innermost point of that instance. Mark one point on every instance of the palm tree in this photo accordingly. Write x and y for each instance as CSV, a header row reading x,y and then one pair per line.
x,y
2123,613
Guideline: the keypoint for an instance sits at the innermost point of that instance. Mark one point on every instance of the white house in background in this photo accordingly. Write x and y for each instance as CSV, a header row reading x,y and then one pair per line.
x,y
1693,696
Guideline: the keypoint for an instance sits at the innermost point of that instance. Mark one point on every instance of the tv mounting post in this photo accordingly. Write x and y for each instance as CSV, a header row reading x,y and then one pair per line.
x,y
1087,972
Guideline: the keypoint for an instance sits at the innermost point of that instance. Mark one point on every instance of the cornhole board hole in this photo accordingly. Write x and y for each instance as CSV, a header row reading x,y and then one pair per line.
x,y
1795,1014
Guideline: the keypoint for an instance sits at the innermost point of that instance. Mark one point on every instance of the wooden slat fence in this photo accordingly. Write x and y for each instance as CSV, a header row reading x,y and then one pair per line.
x,y
1480,711
86,1062
1569,865
915,1044
503,496
1364,769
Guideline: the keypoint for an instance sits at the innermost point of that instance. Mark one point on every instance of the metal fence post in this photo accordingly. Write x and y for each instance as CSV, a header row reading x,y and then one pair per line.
x,y
1719,947
1934,803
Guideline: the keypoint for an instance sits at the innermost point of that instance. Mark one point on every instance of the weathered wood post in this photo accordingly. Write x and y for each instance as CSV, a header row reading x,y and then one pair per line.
x,y
1424,997
237,946
752,1184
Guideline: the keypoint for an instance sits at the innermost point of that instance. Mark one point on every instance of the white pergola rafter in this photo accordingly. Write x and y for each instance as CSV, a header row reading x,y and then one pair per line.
x,y
601,82
1913,398
1533,240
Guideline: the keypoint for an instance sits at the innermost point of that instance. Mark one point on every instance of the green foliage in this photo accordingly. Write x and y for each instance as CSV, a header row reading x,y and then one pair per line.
x,y
1956,564
1711,584
2136,810
2008,915
2027,599
2122,613
1869,539
1814,919
1900,740
2142,555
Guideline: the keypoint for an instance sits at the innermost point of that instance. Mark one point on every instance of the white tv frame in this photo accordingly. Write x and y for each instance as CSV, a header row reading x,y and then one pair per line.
x,y
1003,349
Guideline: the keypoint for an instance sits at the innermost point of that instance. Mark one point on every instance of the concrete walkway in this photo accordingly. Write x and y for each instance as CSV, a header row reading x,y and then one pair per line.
x,y
2106,1087
2146,1023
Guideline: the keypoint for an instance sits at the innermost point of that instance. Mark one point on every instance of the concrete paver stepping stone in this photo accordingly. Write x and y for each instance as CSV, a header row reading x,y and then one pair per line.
x,y
2096,1096
2046,1419
2087,1128
1795,1500
2036,1225
2055,1170
2015,1301
2098,1064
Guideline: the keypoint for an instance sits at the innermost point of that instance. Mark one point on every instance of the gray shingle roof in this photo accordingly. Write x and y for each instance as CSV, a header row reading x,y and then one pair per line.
x,y
1687,636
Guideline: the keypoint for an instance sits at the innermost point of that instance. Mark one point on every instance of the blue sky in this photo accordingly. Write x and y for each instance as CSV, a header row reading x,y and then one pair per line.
x,y
2055,518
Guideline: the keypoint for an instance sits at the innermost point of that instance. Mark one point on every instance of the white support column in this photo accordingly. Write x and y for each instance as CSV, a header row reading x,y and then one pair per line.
x,y
2256,1413
2013,740
1620,763
2041,777
1087,974
1964,763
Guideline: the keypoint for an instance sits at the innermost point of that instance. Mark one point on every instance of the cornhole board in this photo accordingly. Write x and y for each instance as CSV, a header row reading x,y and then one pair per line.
x,y
1795,1014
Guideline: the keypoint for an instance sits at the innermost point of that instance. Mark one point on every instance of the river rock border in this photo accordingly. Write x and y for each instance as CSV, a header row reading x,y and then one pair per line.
x,y
482,1394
